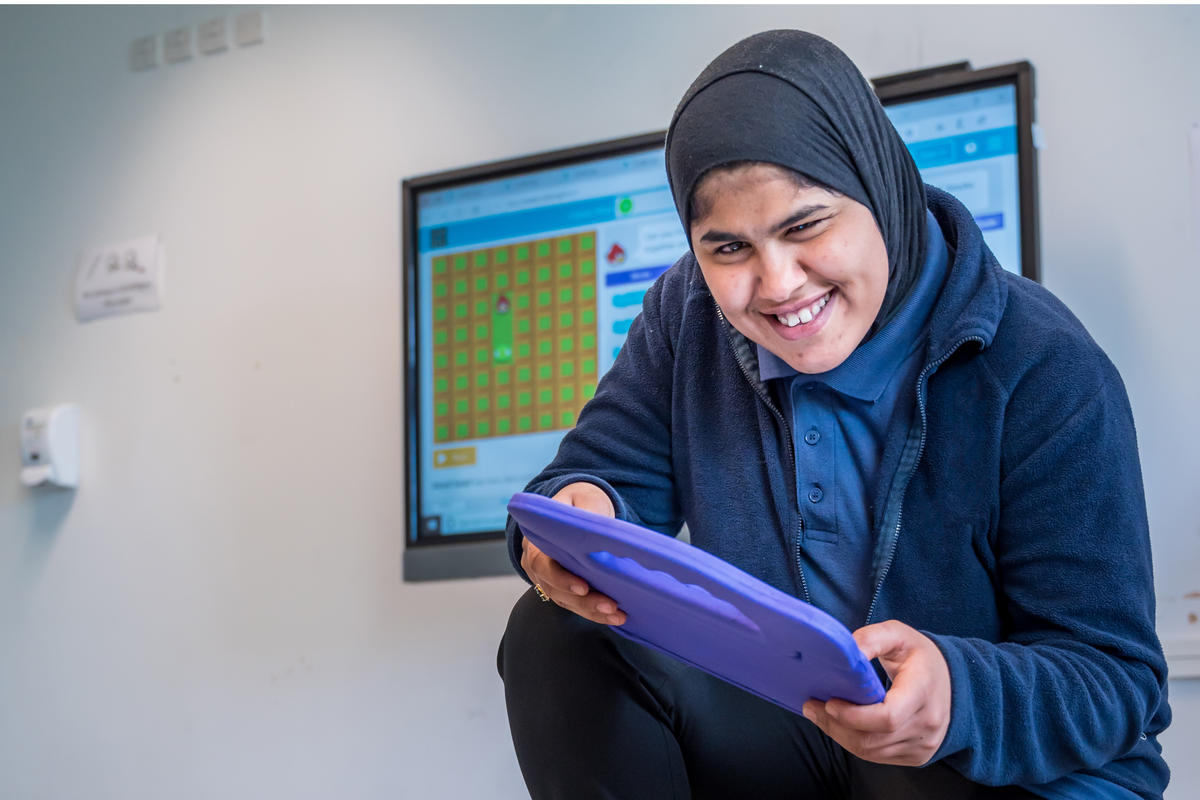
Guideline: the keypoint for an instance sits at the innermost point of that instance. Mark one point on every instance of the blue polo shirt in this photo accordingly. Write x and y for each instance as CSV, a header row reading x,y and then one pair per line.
x,y
840,421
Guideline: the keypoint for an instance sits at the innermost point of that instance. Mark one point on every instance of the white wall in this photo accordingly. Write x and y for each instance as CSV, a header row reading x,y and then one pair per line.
x,y
217,612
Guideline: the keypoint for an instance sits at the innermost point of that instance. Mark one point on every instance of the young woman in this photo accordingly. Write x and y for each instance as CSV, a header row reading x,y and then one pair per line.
x,y
841,392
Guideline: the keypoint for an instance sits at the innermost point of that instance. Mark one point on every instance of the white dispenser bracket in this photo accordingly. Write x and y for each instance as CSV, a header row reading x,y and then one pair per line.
x,y
50,446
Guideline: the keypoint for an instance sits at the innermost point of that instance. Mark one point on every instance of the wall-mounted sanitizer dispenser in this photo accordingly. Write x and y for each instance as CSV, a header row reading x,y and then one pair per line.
x,y
50,446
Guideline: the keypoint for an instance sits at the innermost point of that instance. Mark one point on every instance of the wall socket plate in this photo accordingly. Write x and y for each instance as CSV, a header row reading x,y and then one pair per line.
x,y
143,53
248,28
177,45
211,36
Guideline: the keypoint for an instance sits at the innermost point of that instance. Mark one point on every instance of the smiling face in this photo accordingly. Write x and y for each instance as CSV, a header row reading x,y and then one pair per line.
x,y
801,271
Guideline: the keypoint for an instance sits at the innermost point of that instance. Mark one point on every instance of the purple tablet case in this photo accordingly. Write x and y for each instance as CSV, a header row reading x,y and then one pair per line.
x,y
691,605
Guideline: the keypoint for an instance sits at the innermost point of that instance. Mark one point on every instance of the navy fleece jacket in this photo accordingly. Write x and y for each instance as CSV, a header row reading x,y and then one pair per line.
x,y
1009,524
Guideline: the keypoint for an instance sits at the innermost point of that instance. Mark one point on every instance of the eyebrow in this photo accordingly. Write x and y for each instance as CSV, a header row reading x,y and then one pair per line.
x,y
800,215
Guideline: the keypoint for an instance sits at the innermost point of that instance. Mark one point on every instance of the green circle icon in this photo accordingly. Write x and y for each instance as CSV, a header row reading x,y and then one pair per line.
x,y
626,205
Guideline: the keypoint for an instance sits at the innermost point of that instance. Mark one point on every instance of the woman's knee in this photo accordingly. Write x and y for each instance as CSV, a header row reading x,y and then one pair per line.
x,y
539,632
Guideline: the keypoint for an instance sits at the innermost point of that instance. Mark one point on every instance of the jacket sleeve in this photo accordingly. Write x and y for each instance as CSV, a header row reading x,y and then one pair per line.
x,y
1080,677
621,441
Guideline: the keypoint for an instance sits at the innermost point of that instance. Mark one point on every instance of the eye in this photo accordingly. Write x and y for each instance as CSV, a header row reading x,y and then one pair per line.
x,y
729,249
805,226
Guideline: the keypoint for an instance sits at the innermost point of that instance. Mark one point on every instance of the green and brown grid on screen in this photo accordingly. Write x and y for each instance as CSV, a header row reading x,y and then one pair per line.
x,y
514,337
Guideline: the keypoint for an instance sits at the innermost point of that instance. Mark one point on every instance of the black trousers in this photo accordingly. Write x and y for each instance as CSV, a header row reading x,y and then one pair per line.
x,y
594,715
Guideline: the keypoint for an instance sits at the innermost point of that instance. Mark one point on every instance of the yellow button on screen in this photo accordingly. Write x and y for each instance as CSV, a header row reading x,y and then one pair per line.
x,y
454,457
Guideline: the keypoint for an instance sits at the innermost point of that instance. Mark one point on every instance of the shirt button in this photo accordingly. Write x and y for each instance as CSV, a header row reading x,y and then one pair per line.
x,y
815,494
812,437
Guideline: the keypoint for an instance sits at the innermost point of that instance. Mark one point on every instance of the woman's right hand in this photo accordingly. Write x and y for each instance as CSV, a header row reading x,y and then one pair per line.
x,y
565,588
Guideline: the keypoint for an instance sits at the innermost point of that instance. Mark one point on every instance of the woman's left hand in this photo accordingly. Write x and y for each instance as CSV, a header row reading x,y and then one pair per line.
x,y
908,727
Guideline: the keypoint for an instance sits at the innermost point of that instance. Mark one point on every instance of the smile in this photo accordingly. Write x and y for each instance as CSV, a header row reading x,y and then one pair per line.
x,y
804,315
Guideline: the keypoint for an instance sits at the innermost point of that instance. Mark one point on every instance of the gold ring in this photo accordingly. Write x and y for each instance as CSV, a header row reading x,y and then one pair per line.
x,y
537,587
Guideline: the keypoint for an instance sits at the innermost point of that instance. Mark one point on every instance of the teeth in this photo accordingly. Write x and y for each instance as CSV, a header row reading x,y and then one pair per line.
x,y
804,315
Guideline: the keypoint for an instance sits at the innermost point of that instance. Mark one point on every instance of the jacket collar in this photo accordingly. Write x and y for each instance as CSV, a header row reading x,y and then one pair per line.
x,y
973,299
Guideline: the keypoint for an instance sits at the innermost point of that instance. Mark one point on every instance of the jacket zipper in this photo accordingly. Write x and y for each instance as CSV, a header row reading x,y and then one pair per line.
x,y
791,447
921,383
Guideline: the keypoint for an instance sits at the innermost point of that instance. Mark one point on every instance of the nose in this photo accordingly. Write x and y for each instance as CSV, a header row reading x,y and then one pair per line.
x,y
780,275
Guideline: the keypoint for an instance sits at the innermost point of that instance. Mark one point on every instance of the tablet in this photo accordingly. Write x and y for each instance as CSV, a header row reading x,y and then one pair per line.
x,y
692,606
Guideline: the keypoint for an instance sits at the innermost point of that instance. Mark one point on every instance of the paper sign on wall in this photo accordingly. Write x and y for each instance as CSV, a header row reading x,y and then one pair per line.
x,y
119,279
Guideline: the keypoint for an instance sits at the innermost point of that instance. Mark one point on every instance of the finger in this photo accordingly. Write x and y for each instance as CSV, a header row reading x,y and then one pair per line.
x,y
552,575
904,701
915,665
898,647
852,740
548,573
586,496
814,712
569,590
605,611
886,641
912,751
595,607
881,748
891,716
889,732
906,753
